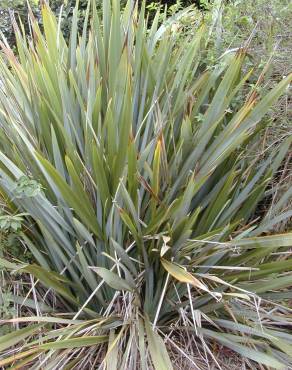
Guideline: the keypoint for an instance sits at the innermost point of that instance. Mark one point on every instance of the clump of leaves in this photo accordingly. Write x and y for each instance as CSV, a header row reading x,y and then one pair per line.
x,y
6,310
13,222
142,229
10,228
26,187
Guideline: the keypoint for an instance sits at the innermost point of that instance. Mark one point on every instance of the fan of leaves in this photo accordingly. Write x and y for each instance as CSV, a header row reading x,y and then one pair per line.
x,y
143,189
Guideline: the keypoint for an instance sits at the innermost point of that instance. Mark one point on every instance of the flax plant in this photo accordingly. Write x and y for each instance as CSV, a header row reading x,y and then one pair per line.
x,y
144,188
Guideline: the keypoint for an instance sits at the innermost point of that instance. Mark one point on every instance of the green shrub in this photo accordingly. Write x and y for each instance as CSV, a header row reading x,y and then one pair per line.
x,y
131,163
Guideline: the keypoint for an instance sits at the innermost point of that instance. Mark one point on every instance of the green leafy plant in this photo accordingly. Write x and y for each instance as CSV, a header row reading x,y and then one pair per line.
x,y
6,310
142,227
10,228
8,223
11,221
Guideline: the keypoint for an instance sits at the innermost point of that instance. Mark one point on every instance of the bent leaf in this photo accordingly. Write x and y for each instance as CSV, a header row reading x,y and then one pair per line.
x,y
180,274
112,279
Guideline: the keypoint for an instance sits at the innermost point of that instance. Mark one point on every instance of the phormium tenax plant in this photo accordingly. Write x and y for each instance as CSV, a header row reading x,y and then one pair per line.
x,y
139,221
